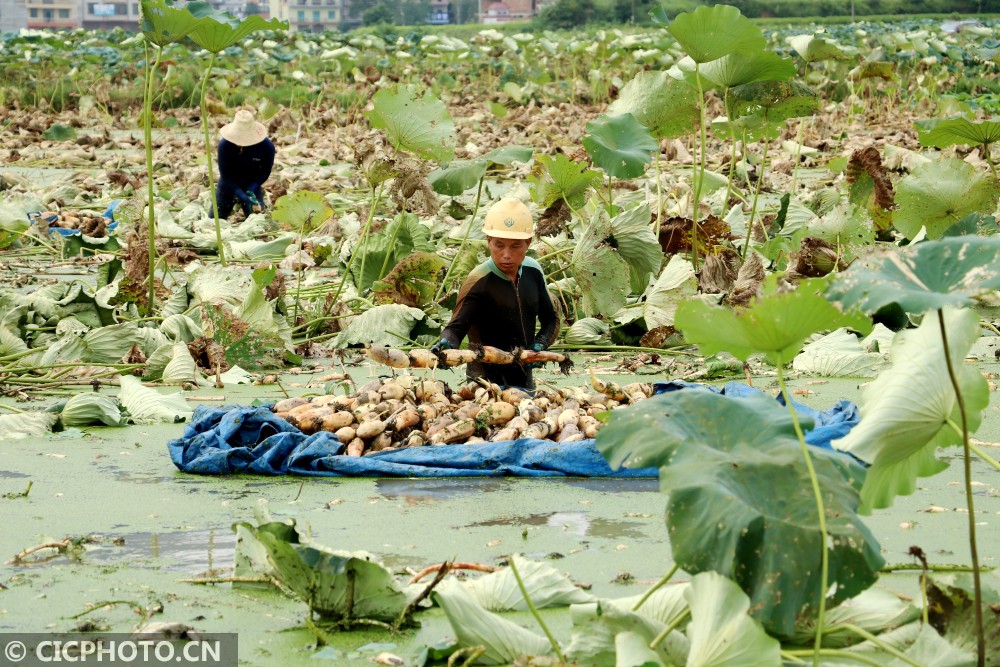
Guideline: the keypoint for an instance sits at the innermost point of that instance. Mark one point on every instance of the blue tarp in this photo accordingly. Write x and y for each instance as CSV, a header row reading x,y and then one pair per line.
x,y
237,438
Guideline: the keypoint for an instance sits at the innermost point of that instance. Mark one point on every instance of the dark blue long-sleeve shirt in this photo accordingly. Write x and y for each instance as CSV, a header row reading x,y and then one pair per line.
x,y
242,171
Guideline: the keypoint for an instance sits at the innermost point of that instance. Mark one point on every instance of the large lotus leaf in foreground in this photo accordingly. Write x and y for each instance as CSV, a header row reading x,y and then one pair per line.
x,y
741,502
939,194
419,125
721,632
906,409
164,24
709,33
922,277
739,68
777,324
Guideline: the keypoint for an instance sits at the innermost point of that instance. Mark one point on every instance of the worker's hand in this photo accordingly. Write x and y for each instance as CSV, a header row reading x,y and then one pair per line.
x,y
256,196
537,347
440,346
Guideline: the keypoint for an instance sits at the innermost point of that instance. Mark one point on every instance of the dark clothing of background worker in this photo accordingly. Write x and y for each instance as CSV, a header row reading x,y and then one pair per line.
x,y
246,157
500,301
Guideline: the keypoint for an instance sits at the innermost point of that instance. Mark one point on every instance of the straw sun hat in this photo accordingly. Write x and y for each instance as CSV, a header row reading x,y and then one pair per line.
x,y
244,130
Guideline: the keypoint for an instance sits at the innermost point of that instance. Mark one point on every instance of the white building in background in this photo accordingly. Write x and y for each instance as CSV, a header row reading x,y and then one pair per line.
x,y
13,15
309,15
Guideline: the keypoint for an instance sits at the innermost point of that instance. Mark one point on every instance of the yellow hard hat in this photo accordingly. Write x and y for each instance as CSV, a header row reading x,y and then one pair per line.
x,y
509,219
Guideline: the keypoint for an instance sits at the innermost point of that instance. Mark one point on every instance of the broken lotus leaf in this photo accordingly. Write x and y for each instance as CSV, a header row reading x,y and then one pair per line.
x,y
413,281
26,425
598,624
546,587
561,178
336,585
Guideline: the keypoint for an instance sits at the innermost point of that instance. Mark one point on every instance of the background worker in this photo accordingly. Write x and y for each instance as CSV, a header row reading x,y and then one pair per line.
x,y
246,157
502,298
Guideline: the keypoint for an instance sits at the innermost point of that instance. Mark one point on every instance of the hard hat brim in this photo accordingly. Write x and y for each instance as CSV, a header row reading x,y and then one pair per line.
x,y
522,236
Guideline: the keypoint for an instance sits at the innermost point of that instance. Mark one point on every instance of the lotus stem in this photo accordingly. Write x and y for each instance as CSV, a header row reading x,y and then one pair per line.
x,y
967,469
683,616
657,586
147,121
534,612
756,195
835,653
461,246
864,634
364,235
659,191
821,512
989,160
700,180
208,159
984,456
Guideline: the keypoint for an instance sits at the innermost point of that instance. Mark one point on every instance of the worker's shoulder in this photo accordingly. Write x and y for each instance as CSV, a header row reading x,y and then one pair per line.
x,y
532,264
476,276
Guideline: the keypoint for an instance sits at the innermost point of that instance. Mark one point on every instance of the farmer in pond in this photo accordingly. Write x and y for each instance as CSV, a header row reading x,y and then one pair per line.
x,y
246,156
503,298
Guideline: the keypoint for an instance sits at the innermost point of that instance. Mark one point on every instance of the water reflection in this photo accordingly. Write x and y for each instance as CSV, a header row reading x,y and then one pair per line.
x,y
577,523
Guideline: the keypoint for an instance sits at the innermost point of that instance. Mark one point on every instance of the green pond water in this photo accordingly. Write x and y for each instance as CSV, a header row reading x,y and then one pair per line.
x,y
157,525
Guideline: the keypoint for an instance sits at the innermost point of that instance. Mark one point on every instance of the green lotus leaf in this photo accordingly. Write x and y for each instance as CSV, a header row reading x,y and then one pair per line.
x,y
940,193
456,177
587,331
721,631
419,125
958,130
91,409
163,24
507,155
26,425
906,409
219,31
148,406
597,625
875,610
873,70
675,284
951,603
814,49
181,368
922,277
777,324
397,240
334,584
473,625
620,145
632,650
736,465
304,210
710,32
601,273
60,132
736,69
775,101
636,243
546,587
562,178
665,104
388,325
